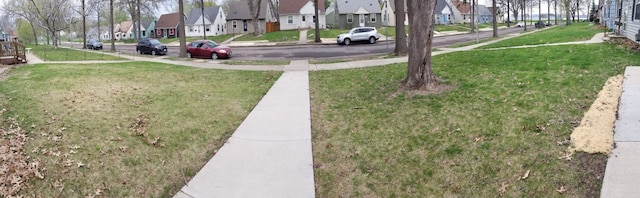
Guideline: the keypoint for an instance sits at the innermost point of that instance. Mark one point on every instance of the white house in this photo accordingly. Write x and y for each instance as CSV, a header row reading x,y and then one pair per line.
x,y
106,35
214,22
300,14
124,31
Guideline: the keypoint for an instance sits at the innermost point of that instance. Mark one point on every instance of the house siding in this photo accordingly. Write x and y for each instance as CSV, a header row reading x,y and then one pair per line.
x,y
342,21
240,29
299,24
631,26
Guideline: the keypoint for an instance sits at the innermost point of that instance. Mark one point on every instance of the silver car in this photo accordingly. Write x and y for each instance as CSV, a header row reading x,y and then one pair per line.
x,y
369,34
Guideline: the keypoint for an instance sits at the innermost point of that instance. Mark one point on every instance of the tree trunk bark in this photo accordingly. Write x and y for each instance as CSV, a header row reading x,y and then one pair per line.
x,y
495,21
254,9
113,42
33,30
84,26
139,32
420,76
98,24
524,14
401,35
317,21
183,39
567,6
473,14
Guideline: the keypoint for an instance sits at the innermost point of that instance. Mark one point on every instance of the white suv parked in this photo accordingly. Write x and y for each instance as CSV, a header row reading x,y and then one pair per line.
x,y
359,34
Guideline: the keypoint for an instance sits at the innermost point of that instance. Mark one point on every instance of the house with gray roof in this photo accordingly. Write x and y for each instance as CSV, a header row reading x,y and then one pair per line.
x,y
356,13
239,18
485,15
300,14
444,13
213,22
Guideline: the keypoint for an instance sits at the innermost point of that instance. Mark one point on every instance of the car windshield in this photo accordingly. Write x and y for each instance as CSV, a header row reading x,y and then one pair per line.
x,y
155,42
211,44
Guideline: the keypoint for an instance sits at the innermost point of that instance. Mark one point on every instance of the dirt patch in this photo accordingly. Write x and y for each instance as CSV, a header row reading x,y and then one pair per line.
x,y
16,169
94,97
595,132
3,71
592,168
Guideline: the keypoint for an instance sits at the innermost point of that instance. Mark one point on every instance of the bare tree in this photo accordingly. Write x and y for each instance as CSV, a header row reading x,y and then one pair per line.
x,y
113,41
82,11
181,29
23,9
567,7
135,7
495,21
53,20
420,76
254,9
401,35
317,22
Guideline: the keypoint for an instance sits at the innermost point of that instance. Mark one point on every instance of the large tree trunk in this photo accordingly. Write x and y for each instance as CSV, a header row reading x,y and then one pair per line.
x,y
524,14
84,26
183,39
495,21
254,9
401,35
567,5
113,42
317,22
139,32
473,14
420,76
33,30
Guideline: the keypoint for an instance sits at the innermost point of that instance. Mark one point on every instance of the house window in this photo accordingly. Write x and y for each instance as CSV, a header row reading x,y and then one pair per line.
x,y
314,19
144,33
190,28
304,18
290,19
234,24
373,17
218,27
464,17
349,18
636,14
208,28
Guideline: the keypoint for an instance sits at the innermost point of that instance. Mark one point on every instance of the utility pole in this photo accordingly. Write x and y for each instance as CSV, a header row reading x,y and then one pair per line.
x,y
317,21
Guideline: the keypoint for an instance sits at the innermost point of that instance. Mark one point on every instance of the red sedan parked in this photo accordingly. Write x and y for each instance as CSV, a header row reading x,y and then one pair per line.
x,y
207,49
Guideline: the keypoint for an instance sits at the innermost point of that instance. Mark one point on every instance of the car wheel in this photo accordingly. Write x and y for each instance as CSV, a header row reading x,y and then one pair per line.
x,y
153,52
372,40
214,56
189,55
347,41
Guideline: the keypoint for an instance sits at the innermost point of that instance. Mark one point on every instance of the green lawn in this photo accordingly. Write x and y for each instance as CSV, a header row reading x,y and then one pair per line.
x,y
503,117
327,33
279,36
574,32
48,53
126,130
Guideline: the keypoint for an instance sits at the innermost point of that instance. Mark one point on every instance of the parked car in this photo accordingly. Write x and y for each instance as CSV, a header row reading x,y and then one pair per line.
x,y
520,24
94,44
207,49
358,34
151,46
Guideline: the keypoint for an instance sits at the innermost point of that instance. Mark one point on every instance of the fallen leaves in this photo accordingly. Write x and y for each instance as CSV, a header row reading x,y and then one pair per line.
x,y
16,169
561,190
526,175
503,188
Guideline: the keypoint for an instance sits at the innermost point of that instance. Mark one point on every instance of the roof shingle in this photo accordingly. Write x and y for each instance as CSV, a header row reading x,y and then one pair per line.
x,y
168,21
294,6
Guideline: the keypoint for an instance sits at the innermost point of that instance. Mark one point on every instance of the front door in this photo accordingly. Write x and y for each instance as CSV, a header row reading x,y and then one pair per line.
x,y
244,25
361,20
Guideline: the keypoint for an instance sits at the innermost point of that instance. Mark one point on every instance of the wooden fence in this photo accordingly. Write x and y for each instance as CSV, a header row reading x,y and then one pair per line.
x,y
273,27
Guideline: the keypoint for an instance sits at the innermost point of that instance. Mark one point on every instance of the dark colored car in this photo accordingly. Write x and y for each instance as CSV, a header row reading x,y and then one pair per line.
x,y
207,49
94,44
151,46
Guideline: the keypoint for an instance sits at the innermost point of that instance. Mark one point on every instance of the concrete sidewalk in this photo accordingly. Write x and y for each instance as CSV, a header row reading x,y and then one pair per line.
x,y
622,175
269,155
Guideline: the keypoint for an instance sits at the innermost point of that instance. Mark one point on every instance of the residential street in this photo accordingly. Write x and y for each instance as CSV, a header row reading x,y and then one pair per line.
x,y
300,52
